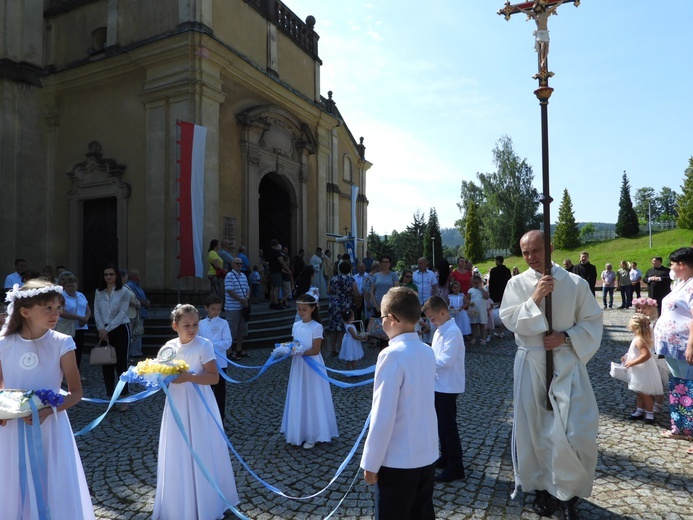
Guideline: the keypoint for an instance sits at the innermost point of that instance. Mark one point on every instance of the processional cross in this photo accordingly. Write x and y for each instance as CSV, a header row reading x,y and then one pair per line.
x,y
540,11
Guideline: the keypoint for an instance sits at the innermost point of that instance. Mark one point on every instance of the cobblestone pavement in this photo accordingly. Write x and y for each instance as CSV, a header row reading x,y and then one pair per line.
x,y
639,473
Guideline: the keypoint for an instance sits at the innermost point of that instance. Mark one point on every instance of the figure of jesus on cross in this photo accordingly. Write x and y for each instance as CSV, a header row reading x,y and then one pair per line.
x,y
539,11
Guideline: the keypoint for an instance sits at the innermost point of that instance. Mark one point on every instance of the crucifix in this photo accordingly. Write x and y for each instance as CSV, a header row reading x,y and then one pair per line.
x,y
540,11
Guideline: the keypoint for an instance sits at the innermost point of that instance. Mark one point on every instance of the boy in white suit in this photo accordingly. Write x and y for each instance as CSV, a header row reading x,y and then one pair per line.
x,y
402,446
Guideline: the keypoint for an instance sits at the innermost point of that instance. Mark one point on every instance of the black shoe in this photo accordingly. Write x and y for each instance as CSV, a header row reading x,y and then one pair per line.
x,y
448,475
634,417
568,509
441,463
544,503
649,421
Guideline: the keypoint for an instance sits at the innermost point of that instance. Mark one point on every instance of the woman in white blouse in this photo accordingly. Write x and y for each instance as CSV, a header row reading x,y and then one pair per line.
x,y
111,315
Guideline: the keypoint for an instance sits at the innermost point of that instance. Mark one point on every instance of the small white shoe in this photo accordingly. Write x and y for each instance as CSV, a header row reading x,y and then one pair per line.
x,y
482,342
308,445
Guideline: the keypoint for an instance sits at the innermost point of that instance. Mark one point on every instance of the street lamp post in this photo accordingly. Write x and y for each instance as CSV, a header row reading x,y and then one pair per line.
x,y
433,246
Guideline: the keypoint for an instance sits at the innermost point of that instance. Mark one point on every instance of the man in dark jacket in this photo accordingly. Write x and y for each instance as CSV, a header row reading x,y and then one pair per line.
x,y
658,281
586,270
498,279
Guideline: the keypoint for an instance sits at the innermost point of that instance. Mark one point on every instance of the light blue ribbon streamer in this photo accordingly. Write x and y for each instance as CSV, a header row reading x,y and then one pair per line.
x,y
203,469
270,361
116,394
269,486
37,461
319,369
353,373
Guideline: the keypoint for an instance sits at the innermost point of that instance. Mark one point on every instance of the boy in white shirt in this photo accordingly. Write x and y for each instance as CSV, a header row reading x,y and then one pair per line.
x,y
448,347
402,445
216,330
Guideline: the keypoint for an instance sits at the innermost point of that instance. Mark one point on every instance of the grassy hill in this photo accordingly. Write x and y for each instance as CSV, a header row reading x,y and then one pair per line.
x,y
630,249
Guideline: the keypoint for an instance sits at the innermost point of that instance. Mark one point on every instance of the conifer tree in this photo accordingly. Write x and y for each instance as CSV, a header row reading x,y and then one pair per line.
x,y
473,245
627,224
435,245
566,235
684,202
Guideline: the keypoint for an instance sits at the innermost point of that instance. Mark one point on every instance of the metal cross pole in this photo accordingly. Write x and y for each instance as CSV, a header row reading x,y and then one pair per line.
x,y
539,11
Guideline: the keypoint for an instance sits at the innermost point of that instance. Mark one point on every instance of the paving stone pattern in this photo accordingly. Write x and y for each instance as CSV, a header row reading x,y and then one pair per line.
x,y
639,474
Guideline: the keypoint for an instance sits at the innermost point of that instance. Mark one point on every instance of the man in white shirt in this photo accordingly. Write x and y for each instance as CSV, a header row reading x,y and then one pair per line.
x,y
448,347
16,278
236,305
555,452
424,279
635,275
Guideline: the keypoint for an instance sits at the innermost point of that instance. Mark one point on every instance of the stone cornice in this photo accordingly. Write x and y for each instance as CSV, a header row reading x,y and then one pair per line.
x,y
21,72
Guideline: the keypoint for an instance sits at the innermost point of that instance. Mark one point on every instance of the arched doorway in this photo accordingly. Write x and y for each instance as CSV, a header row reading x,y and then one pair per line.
x,y
275,219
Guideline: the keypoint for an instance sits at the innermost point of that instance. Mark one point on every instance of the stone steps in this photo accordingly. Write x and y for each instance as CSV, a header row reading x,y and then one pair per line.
x,y
266,327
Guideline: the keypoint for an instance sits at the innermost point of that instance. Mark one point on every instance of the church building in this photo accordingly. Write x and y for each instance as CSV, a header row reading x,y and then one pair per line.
x,y
91,92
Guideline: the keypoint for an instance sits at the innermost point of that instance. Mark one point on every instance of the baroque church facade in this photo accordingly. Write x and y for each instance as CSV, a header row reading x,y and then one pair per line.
x,y
91,91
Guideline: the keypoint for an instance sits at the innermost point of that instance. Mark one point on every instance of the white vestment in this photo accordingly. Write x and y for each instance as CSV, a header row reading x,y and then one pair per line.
x,y
554,450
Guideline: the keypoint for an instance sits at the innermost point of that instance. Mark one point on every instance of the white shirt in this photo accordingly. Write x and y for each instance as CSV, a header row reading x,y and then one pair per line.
x,y
217,331
635,274
13,278
404,428
360,278
424,281
111,311
448,347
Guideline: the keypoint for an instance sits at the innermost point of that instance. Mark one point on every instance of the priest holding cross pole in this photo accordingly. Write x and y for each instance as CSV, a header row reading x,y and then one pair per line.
x,y
554,445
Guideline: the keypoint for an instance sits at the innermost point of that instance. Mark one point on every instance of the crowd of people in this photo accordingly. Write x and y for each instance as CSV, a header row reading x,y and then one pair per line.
x,y
426,316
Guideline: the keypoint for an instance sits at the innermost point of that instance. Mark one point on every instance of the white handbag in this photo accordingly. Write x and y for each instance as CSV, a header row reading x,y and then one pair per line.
x,y
620,372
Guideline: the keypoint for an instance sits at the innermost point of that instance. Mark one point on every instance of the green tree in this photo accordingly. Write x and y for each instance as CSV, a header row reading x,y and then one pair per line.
x,y
375,244
627,224
506,201
684,202
644,203
566,235
436,245
473,245
586,230
666,203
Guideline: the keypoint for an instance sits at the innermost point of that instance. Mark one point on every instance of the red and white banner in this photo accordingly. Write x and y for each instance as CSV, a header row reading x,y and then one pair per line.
x,y
191,182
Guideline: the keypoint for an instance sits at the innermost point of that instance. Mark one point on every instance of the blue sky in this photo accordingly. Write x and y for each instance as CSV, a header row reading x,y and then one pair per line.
x,y
432,86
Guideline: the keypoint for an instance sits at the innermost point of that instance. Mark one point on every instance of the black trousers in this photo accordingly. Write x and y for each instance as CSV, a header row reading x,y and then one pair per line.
x,y
120,339
449,435
220,395
79,345
405,494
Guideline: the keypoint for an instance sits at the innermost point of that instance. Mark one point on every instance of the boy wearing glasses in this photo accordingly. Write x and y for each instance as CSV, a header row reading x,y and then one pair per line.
x,y
401,450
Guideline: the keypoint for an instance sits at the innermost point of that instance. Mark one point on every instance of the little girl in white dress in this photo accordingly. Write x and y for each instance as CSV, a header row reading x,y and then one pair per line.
x,y
644,374
351,350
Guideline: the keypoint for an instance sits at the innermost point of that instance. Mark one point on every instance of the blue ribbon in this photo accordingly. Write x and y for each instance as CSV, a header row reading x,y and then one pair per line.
x,y
37,462
353,373
203,469
272,488
116,394
270,361
320,370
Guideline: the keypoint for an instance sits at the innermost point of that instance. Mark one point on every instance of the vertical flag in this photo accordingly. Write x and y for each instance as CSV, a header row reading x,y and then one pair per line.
x,y
354,229
191,177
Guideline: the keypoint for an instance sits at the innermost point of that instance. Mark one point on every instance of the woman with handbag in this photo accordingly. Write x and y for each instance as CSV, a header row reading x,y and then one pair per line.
x,y
111,304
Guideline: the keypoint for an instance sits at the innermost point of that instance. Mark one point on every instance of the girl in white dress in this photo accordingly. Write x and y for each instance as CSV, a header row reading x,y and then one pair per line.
x,y
182,491
34,357
644,375
308,410
459,303
351,350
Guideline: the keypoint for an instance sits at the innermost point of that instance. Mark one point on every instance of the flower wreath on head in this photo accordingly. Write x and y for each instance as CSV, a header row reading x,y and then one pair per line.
x,y
15,293
645,301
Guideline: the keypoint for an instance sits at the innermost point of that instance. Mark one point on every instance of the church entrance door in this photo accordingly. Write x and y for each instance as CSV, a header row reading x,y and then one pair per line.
x,y
274,212
100,241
